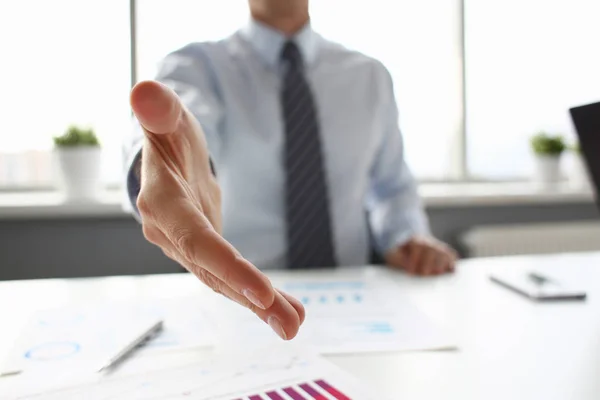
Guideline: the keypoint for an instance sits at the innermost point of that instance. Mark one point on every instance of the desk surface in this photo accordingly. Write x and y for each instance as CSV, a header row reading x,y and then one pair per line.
x,y
510,347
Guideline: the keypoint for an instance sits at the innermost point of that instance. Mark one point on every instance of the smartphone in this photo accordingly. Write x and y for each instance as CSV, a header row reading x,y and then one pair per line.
x,y
536,286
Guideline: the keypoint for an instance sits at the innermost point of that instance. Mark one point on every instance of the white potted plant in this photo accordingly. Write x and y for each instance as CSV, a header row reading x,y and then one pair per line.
x,y
78,156
548,150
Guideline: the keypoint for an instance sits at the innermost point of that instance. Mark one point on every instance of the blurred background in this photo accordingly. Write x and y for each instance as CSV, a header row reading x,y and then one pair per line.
x,y
475,80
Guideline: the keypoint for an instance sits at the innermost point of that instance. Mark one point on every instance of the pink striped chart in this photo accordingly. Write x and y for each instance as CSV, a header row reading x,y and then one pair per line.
x,y
316,390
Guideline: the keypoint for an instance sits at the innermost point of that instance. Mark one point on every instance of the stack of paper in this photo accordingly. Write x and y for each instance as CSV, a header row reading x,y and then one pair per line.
x,y
60,351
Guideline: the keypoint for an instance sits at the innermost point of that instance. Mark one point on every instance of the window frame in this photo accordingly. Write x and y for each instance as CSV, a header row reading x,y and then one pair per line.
x,y
459,168
459,173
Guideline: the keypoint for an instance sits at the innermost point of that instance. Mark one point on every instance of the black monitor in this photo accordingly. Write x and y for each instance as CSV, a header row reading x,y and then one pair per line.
x,y
587,124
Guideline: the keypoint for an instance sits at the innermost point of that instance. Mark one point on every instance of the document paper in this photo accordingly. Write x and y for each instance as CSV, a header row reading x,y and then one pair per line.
x,y
345,313
268,375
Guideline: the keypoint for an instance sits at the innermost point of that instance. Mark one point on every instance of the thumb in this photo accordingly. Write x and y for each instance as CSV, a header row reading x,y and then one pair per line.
x,y
156,107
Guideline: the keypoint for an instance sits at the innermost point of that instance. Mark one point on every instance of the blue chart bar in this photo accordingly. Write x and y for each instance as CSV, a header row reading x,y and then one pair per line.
x,y
328,293
339,299
380,327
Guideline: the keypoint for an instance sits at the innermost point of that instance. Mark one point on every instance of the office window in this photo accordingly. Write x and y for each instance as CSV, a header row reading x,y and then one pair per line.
x,y
419,42
527,63
166,25
63,62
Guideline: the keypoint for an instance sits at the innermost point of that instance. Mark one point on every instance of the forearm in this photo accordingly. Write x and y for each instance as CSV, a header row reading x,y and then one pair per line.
x,y
395,209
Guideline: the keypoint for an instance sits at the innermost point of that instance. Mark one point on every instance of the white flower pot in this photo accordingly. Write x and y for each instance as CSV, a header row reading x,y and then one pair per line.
x,y
79,171
547,169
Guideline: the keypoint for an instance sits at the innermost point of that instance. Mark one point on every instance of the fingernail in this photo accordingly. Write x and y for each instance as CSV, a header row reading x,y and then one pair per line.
x,y
249,294
276,326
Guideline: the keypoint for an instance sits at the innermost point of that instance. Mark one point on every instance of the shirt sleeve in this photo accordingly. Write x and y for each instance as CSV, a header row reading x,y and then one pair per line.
x,y
190,73
395,209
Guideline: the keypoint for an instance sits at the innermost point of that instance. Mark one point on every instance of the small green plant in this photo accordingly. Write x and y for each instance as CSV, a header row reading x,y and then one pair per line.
x,y
76,136
548,145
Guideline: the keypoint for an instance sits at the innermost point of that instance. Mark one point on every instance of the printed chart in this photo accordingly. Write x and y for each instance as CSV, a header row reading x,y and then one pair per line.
x,y
339,297
362,315
349,314
329,292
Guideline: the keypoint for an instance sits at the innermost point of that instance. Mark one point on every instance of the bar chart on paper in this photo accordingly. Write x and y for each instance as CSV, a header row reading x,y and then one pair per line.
x,y
331,296
318,389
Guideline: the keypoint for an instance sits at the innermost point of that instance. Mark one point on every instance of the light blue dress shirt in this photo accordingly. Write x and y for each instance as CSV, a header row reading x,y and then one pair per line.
x,y
233,88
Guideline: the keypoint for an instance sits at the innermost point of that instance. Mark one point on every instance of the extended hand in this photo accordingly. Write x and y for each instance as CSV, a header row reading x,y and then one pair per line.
x,y
180,206
423,256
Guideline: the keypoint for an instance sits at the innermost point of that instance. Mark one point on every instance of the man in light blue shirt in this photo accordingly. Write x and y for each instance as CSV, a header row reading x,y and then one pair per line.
x,y
304,142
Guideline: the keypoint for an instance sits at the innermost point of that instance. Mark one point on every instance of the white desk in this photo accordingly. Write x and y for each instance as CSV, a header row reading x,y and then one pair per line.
x,y
510,348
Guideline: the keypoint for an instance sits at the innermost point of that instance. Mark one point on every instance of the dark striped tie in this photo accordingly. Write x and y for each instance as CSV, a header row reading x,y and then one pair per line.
x,y
310,242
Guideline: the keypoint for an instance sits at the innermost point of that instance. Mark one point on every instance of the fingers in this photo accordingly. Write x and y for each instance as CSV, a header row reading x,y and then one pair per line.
x,y
441,264
296,304
200,249
194,238
283,317
415,256
428,262
156,107
285,314
453,259
423,257
164,204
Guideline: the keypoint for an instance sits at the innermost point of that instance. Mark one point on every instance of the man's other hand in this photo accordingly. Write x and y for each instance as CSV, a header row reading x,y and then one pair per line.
x,y
180,207
423,256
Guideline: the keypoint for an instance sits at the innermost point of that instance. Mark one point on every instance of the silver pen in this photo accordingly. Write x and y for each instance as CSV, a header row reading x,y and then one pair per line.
x,y
147,334
10,373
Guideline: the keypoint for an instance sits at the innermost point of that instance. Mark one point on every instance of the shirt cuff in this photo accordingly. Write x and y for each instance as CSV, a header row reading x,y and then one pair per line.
x,y
132,183
393,229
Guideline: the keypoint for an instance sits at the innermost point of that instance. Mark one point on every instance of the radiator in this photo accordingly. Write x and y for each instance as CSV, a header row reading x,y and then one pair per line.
x,y
500,240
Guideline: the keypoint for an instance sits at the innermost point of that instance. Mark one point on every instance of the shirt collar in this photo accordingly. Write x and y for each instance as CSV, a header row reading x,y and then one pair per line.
x,y
268,42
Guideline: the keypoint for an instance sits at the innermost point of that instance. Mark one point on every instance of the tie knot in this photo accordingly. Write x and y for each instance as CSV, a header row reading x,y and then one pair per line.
x,y
291,54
